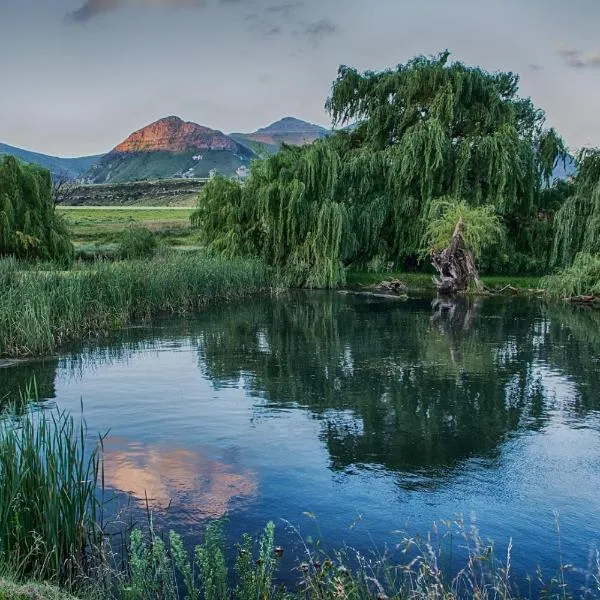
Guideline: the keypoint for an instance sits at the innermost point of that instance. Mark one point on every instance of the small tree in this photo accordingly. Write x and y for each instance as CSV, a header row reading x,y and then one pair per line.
x,y
29,225
64,189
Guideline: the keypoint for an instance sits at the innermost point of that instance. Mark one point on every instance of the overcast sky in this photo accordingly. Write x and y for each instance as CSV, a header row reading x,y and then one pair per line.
x,y
77,76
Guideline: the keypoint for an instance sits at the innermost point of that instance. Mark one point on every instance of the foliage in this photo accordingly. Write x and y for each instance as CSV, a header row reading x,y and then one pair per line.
x,y
156,569
49,508
582,278
29,226
212,569
482,227
40,310
137,242
425,130
578,220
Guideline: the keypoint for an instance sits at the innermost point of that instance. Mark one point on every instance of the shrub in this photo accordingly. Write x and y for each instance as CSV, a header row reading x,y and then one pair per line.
x,y
137,242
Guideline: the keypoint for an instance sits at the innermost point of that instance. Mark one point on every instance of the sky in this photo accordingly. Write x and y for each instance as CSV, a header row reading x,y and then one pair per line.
x,y
78,76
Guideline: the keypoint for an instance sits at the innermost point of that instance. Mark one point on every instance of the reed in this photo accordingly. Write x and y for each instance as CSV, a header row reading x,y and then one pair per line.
x,y
40,310
50,496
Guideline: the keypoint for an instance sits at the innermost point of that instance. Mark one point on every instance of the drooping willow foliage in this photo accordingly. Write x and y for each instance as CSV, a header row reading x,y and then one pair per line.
x,y
482,227
578,220
29,226
424,130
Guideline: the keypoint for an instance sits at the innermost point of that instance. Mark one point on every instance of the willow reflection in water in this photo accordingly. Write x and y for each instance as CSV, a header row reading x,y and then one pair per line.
x,y
426,388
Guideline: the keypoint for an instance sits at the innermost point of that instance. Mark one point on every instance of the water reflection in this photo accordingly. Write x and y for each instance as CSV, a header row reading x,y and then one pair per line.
x,y
194,485
426,391
412,387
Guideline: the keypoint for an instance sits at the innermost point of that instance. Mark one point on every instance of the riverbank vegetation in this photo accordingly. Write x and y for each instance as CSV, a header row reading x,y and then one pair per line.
x,y
43,309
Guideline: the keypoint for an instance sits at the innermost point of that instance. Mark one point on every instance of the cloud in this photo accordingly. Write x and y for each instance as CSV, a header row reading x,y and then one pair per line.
x,y
285,10
576,59
320,29
92,8
317,30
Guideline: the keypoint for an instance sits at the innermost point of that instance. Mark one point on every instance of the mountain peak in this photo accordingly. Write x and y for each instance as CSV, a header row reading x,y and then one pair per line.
x,y
292,125
172,134
288,130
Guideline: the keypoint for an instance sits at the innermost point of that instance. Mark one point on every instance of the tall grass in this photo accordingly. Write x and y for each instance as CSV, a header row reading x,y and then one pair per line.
x,y
50,507
40,310
582,278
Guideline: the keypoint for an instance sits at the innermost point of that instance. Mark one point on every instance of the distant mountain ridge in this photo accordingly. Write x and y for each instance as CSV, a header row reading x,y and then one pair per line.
x,y
288,130
70,168
173,148
170,147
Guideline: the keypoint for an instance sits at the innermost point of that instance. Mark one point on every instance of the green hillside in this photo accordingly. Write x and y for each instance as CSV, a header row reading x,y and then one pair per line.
x,y
120,167
68,167
261,149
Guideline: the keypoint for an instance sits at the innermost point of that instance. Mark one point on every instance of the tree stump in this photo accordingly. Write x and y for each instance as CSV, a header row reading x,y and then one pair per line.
x,y
455,265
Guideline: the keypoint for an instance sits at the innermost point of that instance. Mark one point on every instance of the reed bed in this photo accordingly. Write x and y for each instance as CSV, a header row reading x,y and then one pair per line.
x,y
50,496
40,310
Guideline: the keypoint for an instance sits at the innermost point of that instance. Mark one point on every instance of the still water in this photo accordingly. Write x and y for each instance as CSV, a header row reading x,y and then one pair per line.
x,y
351,420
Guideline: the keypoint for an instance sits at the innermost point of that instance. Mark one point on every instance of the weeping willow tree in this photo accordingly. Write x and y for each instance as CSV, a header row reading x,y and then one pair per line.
x,y
577,241
578,220
424,130
29,226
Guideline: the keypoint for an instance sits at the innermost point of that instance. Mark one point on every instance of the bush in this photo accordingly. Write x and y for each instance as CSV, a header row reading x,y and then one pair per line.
x,y
582,278
137,242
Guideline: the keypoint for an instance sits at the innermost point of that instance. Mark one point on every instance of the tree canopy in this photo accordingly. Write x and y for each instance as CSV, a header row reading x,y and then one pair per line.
x,y
427,129
578,220
29,225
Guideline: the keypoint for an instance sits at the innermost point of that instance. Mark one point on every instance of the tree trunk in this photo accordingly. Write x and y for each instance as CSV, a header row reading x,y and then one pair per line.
x,y
455,265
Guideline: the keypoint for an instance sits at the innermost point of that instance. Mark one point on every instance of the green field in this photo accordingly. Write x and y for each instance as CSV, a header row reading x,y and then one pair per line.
x,y
101,226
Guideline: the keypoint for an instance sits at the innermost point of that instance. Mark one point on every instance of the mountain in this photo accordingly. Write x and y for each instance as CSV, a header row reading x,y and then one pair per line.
x,y
168,148
71,168
288,130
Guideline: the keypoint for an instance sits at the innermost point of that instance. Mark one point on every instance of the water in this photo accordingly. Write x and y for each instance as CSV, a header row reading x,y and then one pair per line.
x,y
351,420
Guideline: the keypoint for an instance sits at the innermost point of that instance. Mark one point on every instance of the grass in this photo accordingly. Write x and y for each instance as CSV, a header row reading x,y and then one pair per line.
x,y
97,228
41,310
50,512
424,282
9,590
581,279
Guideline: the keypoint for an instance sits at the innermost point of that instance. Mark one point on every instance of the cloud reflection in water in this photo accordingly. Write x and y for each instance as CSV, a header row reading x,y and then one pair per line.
x,y
184,480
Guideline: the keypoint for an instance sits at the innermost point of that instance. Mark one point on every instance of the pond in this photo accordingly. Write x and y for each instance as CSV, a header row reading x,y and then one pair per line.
x,y
351,421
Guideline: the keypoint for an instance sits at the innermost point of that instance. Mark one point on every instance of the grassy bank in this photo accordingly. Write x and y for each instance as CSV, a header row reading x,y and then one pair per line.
x,y
9,590
40,310
424,282
95,230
